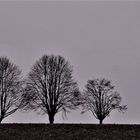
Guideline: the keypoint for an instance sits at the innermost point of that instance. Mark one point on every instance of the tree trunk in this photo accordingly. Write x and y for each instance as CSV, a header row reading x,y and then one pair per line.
x,y
1,119
101,121
51,118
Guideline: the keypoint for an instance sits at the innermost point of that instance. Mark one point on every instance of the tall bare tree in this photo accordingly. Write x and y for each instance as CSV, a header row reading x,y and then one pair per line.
x,y
10,88
100,98
50,86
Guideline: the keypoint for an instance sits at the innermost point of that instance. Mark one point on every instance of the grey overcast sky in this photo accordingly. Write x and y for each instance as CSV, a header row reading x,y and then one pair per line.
x,y
100,39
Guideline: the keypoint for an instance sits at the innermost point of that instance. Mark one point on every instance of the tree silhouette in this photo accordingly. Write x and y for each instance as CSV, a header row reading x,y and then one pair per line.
x,y
50,87
10,88
100,98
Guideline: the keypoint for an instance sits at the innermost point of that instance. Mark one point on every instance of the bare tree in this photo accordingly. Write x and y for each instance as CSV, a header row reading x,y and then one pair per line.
x,y
100,98
50,86
10,88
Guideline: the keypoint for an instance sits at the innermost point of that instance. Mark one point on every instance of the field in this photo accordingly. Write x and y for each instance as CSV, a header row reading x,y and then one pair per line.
x,y
69,132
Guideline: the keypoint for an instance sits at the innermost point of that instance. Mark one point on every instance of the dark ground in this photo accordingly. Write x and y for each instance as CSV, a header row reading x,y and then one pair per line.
x,y
69,132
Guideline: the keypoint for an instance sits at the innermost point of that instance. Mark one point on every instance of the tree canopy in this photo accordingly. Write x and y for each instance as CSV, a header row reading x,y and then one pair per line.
x,y
50,86
10,88
100,98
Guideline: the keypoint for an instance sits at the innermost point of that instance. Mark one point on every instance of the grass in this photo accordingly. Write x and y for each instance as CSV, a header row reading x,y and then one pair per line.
x,y
69,132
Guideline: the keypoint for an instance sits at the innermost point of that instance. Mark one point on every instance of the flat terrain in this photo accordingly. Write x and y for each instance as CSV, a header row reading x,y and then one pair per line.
x,y
69,132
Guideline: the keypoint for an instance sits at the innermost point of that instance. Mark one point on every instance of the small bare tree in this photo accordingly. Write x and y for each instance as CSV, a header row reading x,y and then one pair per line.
x,y
100,98
50,86
10,88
